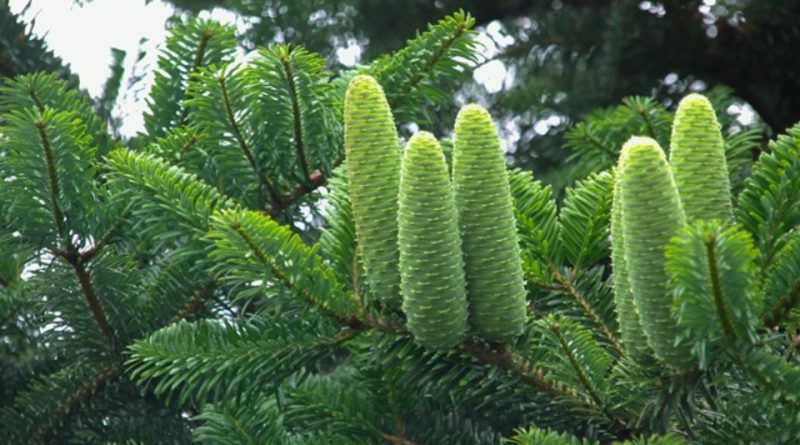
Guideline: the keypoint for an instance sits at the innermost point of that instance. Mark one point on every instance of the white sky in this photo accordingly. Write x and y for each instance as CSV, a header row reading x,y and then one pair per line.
x,y
84,35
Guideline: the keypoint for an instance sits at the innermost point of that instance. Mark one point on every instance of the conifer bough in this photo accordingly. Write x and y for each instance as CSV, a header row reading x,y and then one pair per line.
x,y
373,165
493,267
697,157
651,215
431,264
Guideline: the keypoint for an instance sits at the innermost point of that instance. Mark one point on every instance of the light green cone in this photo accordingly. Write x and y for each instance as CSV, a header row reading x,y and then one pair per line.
x,y
630,327
431,265
493,268
697,157
651,215
373,165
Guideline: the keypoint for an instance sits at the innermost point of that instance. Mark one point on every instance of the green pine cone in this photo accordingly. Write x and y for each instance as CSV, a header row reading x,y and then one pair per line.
x,y
431,264
373,165
651,215
493,267
630,327
697,156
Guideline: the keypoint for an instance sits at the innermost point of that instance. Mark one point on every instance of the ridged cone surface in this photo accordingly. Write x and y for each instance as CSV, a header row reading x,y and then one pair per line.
x,y
493,267
373,165
630,327
697,157
651,215
431,264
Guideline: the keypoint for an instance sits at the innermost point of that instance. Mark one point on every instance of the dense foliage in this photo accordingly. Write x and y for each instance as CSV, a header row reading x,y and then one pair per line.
x,y
207,284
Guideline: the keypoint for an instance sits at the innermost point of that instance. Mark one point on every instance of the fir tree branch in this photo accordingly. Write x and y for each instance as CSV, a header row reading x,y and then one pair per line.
x,y
767,381
597,144
499,357
114,371
196,64
35,99
716,290
87,287
534,377
529,375
296,117
58,216
650,131
773,318
86,391
277,273
579,371
246,150
76,261
90,253
196,303
540,284
189,144
566,285
313,182
597,400
436,56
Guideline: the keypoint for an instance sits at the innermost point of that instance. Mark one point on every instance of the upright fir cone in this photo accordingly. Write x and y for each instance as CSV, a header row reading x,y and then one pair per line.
x,y
633,338
697,157
431,264
651,215
373,166
493,266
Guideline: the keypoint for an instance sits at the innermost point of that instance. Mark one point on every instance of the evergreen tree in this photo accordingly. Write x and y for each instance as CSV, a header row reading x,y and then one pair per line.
x,y
203,285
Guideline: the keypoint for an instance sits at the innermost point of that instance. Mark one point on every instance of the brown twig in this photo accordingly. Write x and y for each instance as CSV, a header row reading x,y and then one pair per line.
x,y
88,389
314,181
52,176
196,303
716,291
503,359
90,295
90,253
296,117
197,62
275,198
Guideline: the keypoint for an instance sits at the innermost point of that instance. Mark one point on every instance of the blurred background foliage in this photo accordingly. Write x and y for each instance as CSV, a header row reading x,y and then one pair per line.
x,y
561,61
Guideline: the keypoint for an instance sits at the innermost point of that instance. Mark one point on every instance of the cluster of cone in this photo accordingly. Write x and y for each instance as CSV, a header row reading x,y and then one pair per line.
x,y
445,249
454,237
654,198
